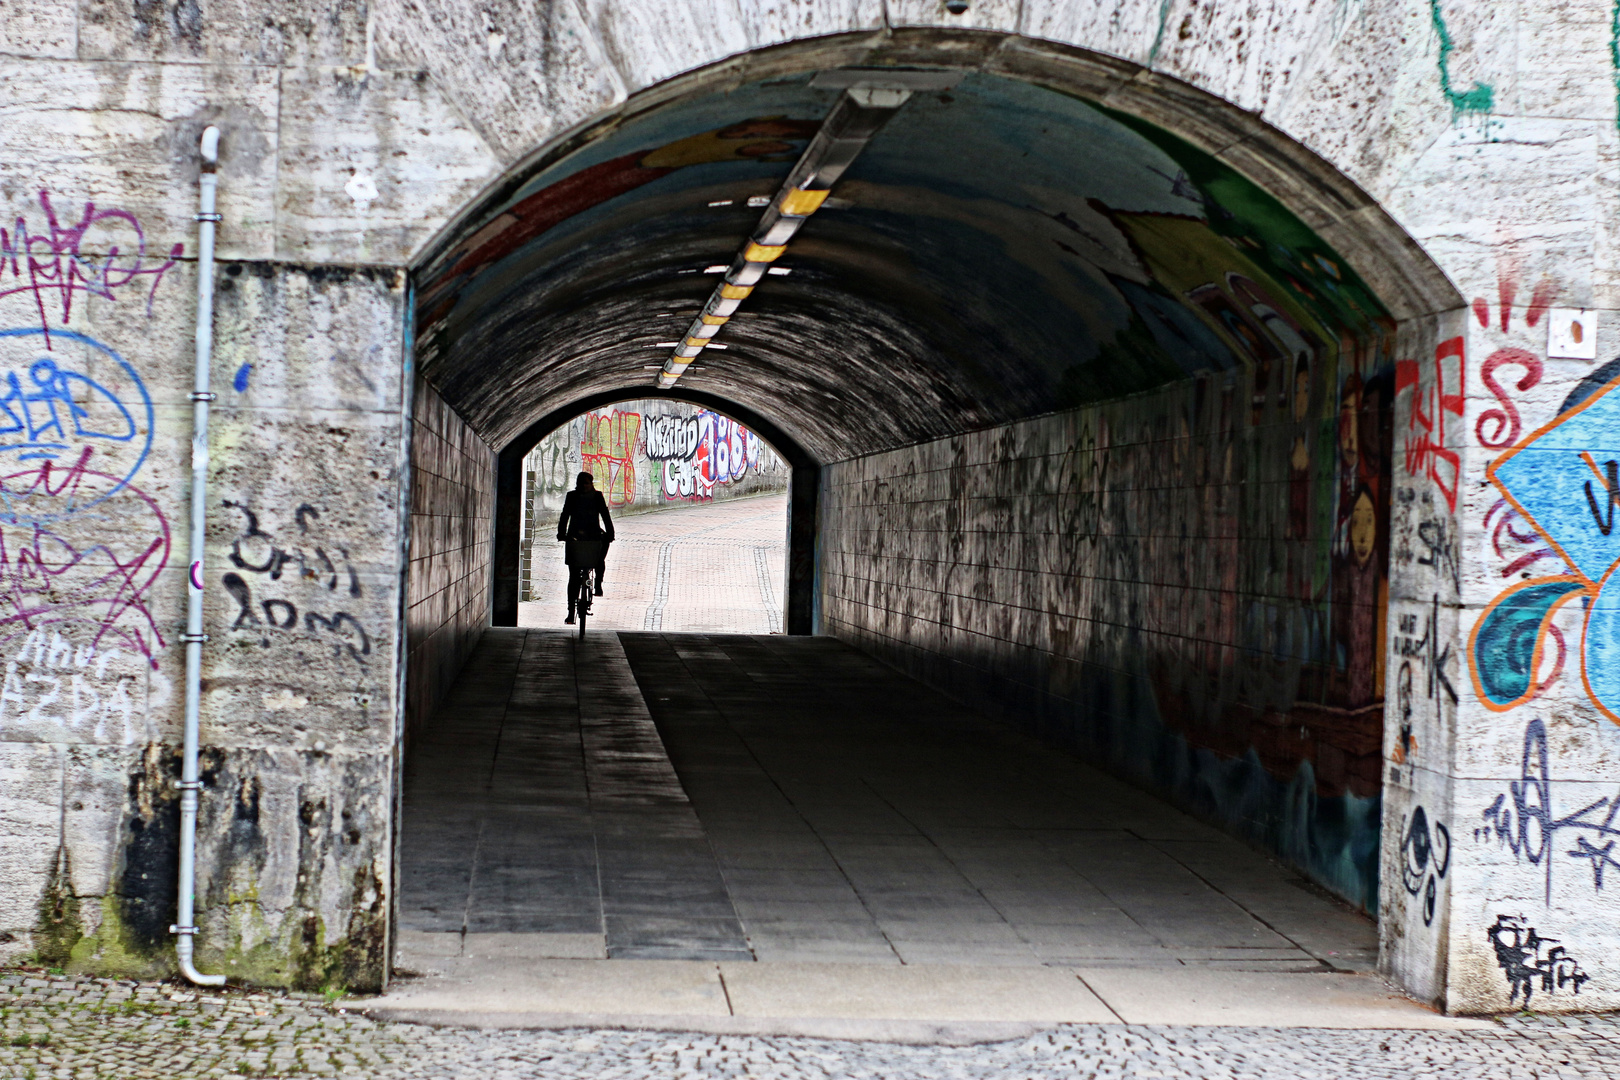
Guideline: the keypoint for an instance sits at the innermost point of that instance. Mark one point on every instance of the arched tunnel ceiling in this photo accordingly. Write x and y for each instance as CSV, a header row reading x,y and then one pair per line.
x,y
999,250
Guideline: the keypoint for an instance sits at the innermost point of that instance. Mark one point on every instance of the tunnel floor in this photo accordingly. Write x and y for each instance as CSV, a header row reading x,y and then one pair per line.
x,y
728,797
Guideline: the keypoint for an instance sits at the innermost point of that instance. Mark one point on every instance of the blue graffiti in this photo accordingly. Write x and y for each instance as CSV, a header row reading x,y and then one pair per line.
x,y
240,383
1523,819
1565,481
54,412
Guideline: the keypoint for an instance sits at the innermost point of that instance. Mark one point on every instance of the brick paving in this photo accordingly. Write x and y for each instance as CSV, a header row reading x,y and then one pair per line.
x,y
707,567
65,1027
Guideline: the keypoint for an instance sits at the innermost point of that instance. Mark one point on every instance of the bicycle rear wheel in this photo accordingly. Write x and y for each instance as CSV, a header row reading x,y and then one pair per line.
x,y
582,607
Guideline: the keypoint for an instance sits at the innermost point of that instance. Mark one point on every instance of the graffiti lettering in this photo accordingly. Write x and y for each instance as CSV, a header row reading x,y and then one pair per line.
x,y
257,551
103,253
671,437
1503,421
1519,954
608,452
283,615
1523,819
267,558
54,412
1426,450
1427,651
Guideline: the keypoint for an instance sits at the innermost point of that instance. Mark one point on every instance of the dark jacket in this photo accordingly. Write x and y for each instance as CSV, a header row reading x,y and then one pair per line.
x,y
581,512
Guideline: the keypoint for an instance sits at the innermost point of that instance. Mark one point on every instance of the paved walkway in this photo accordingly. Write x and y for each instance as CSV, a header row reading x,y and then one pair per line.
x,y
77,1029
776,834
706,567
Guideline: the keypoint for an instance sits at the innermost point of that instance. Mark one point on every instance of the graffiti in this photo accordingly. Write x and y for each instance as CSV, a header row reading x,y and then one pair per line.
x,y
258,552
1427,650
54,412
1519,954
1554,482
1531,549
255,551
608,452
719,451
103,253
1503,421
1477,100
1427,452
65,566
51,682
1425,859
1523,819
671,437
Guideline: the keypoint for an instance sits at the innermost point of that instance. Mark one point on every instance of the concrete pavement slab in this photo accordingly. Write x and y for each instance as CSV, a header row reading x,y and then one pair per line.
x,y
1207,996
937,993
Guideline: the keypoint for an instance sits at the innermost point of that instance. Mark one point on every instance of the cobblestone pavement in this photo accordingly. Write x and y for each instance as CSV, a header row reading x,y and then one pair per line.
x,y
54,1026
707,567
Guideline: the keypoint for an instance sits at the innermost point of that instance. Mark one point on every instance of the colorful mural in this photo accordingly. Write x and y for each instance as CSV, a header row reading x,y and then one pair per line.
x,y
1563,481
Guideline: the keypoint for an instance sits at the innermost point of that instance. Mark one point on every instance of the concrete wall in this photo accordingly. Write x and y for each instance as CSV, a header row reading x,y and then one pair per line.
x,y
452,514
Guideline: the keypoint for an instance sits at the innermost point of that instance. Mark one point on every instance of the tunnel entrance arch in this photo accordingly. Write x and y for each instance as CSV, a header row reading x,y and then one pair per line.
x,y
1093,371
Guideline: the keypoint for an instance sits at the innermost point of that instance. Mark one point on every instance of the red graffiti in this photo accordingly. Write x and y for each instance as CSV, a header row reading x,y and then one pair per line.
x,y
1426,449
608,452
1530,547
1504,421
103,253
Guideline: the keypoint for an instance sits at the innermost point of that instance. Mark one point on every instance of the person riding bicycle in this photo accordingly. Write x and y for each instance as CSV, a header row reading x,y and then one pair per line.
x,y
584,517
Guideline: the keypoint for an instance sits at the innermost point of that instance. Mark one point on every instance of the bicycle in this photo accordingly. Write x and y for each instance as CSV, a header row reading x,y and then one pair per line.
x,y
586,553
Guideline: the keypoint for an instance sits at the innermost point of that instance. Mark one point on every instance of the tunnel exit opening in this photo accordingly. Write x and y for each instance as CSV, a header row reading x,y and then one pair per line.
x,y
700,506
1091,438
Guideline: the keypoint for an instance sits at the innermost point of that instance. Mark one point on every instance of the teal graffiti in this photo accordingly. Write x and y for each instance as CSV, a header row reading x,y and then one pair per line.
x,y
1614,55
1509,635
1477,100
1164,17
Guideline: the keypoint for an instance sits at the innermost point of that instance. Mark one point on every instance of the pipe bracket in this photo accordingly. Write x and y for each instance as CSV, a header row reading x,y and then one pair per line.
x,y
210,217
194,638
204,395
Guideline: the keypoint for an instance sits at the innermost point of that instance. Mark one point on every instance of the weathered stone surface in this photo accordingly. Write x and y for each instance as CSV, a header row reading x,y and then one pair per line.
x,y
224,32
521,74
124,137
42,28
373,163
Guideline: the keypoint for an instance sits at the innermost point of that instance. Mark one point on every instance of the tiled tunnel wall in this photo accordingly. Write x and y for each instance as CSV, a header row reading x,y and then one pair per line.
x,y
452,512
1187,586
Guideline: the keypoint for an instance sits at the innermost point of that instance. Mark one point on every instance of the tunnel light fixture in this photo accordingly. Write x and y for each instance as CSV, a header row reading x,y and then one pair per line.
x,y
868,101
722,202
718,268
780,271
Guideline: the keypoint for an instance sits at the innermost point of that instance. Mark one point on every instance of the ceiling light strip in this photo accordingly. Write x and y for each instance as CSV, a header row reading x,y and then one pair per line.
x,y
859,114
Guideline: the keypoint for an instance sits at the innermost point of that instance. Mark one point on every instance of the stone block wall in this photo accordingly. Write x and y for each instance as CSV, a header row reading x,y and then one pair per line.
x,y
452,515
1186,586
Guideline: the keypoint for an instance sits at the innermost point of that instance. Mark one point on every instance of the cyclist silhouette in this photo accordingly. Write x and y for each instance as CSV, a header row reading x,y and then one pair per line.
x,y
584,517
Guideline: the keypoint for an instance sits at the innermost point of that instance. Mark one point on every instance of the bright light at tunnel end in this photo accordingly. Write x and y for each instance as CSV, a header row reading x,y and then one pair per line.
x,y
870,98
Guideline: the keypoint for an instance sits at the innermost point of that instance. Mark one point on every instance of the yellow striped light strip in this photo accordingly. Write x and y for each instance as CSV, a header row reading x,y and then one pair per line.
x,y
860,112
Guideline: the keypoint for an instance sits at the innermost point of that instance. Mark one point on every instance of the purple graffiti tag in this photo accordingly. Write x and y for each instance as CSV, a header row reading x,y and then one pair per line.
x,y
91,571
63,260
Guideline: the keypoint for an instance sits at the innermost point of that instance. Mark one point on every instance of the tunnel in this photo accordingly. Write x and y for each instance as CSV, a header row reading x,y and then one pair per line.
x,y
1088,395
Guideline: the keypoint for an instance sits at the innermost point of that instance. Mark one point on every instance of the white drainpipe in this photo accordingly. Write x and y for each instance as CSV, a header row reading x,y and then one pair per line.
x,y
194,637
